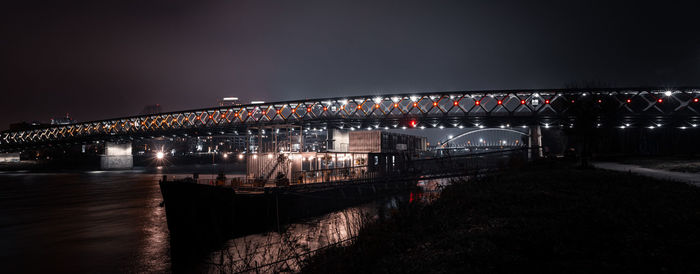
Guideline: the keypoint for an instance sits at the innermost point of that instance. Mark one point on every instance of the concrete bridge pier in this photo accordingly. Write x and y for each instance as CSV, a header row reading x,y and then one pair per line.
x,y
117,156
534,142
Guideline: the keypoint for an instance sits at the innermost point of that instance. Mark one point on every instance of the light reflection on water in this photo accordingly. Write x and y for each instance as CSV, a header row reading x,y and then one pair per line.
x,y
112,222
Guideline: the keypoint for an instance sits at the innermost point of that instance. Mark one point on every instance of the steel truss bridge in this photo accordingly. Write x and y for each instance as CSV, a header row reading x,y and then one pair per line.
x,y
621,107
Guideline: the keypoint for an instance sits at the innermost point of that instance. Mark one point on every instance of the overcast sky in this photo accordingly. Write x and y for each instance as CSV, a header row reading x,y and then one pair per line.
x,y
102,59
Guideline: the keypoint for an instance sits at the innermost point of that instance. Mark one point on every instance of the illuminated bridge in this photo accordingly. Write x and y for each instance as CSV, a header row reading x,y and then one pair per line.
x,y
623,108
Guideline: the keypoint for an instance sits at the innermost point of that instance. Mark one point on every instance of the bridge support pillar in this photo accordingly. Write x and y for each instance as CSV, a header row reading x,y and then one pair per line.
x,y
535,142
117,156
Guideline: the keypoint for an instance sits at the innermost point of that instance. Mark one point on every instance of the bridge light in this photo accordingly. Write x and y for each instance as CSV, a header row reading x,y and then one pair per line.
x,y
500,102
279,111
376,106
415,104
250,113
456,103
413,123
269,156
435,104
308,109
160,155
325,108
660,100
396,105
210,116
522,102
235,114
629,101
573,101
600,101
695,100
546,101
359,106
255,156
477,103
240,156
668,93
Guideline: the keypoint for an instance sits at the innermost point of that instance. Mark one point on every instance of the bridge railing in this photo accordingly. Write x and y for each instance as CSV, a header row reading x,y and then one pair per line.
x,y
448,109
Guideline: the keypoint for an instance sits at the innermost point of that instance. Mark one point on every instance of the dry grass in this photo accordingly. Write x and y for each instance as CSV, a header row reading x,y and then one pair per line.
x,y
546,218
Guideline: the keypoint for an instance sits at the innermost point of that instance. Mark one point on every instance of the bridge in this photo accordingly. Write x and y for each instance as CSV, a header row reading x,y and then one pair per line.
x,y
620,107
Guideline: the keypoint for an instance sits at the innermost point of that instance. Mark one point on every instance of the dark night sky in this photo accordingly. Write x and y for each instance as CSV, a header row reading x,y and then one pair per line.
x,y
102,59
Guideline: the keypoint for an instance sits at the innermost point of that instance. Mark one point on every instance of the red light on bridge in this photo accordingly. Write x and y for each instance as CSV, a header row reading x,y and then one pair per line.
x,y
210,116
308,109
695,100
413,123
376,106
477,103
456,103
573,101
629,101
325,108
198,118
522,102
235,114
415,104
279,111
396,105
660,100
250,113
499,102
600,101
546,101
435,104
359,106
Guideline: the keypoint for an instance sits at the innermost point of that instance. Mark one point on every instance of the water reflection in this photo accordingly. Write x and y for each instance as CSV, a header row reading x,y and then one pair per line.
x,y
97,222
112,222
284,251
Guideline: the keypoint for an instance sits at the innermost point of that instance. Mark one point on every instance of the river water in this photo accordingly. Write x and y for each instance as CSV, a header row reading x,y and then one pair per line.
x,y
113,222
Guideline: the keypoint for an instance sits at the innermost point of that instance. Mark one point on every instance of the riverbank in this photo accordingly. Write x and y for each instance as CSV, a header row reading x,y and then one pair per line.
x,y
541,218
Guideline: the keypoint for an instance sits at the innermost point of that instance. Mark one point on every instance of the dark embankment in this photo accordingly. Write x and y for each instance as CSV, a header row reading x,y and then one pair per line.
x,y
542,218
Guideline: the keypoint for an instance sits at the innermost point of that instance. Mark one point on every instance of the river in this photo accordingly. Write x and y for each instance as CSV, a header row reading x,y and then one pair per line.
x,y
113,222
